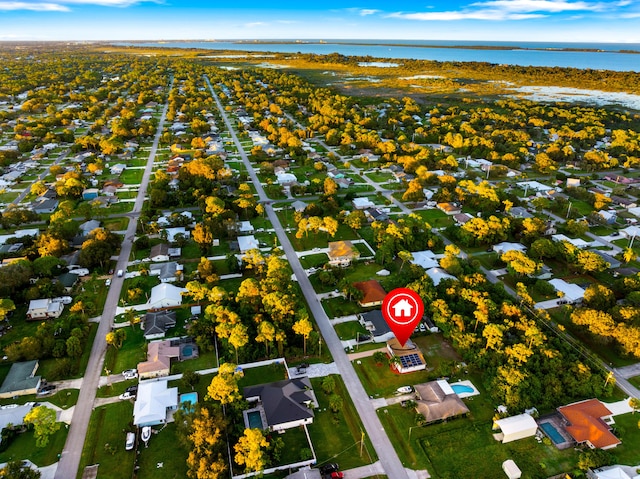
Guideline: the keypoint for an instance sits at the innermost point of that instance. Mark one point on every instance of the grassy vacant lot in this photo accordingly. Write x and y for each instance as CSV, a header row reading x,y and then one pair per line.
x,y
349,330
336,437
205,360
321,240
133,351
105,440
436,218
24,447
263,374
381,381
339,306
173,466
314,260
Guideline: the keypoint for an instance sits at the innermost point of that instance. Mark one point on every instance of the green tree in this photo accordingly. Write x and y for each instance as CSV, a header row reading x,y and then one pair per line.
x,y
335,403
44,424
116,337
16,470
6,306
328,384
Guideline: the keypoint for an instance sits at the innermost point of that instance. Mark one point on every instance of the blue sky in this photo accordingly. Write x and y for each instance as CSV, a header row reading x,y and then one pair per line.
x,y
497,20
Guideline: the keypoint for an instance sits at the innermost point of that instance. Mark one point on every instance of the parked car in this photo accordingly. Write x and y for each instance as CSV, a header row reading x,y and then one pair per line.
x,y
130,442
132,390
130,373
404,390
46,390
120,273
107,282
329,468
335,475
127,395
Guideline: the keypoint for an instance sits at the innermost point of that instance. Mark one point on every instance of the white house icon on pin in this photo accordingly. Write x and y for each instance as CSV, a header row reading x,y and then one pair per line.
x,y
402,308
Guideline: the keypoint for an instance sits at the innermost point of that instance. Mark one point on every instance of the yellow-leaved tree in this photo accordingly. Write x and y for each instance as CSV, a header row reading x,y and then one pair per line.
x,y
250,450
224,385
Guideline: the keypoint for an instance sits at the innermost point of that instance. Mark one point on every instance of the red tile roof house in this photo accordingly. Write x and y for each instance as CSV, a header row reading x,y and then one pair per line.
x,y
587,424
373,293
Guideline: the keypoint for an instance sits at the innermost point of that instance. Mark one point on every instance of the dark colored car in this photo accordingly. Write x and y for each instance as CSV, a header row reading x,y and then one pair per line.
x,y
48,389
131,390
329,468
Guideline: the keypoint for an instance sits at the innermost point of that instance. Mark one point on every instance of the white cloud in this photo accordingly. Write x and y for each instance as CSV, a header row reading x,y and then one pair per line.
x,y
509,10
64,5
466,15
550,6
34,7
254,24
368,11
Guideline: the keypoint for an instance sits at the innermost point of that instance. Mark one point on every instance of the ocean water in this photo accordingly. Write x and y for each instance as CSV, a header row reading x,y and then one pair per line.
x,y
607,56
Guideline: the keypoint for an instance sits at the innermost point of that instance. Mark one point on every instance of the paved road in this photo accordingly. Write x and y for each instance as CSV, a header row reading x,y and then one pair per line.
x,y
629,371
70,459
381,443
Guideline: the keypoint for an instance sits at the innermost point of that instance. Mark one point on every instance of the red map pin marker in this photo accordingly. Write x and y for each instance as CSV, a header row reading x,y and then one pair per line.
x,y
402,309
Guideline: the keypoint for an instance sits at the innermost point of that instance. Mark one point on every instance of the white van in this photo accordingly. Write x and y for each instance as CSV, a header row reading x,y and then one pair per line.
x,y
120,273
131,441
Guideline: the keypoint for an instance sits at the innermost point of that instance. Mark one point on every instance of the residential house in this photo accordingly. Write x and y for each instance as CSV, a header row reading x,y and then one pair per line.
x,y
90,194
166,272
165,295
589,423
173,232
375,214
21,380
374,323
44,205
286,404
577,242
624,202
505,246
462,218
286,179
163,252
44,309
516,427
246,243
372,293
342,253
13,415
160,355
438,402
449,208
156,323
613,263
88,226
424,259
245,227
299,206
68,281
154,402
362,203
438,274
571,292
519,212
614,472
409,356
110,190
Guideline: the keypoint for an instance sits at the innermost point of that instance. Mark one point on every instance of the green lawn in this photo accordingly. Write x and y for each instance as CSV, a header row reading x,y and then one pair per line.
x,y
635,381
337,307
349,330
314,260
112,390
133,351
336,437
173,467
262,374
205,360
64,398
24,447
381,381
107,429
627,429
436,218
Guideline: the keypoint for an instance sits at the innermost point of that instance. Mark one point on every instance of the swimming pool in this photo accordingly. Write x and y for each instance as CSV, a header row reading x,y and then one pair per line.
x,y
189,398
551,431
461,388
187,351
254,420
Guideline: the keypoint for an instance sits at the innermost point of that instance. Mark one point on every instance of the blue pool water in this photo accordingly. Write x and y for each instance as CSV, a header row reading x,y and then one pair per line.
x,y
461,388
189,397
187,351
254,420
552,432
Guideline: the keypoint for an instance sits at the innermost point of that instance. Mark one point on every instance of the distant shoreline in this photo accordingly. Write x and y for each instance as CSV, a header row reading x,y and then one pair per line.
x,y
396,44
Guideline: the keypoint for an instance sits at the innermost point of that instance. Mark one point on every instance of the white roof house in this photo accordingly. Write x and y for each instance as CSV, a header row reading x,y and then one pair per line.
x,y
438,274
165,295
534,186
14,415
425,259
245,227
505,246
153,401
172,232
572,292
616,472
517,427
577,242
362,203
245,243
286,178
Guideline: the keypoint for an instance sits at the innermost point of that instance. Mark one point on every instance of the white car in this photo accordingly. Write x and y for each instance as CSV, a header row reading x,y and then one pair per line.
x,y
108,282
130,373
126,395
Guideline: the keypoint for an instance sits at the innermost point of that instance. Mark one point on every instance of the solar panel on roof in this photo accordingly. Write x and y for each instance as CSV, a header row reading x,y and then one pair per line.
x,y
410,360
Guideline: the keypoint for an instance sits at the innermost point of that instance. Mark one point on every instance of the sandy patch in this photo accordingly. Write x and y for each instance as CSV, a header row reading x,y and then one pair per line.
x,y
564,94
